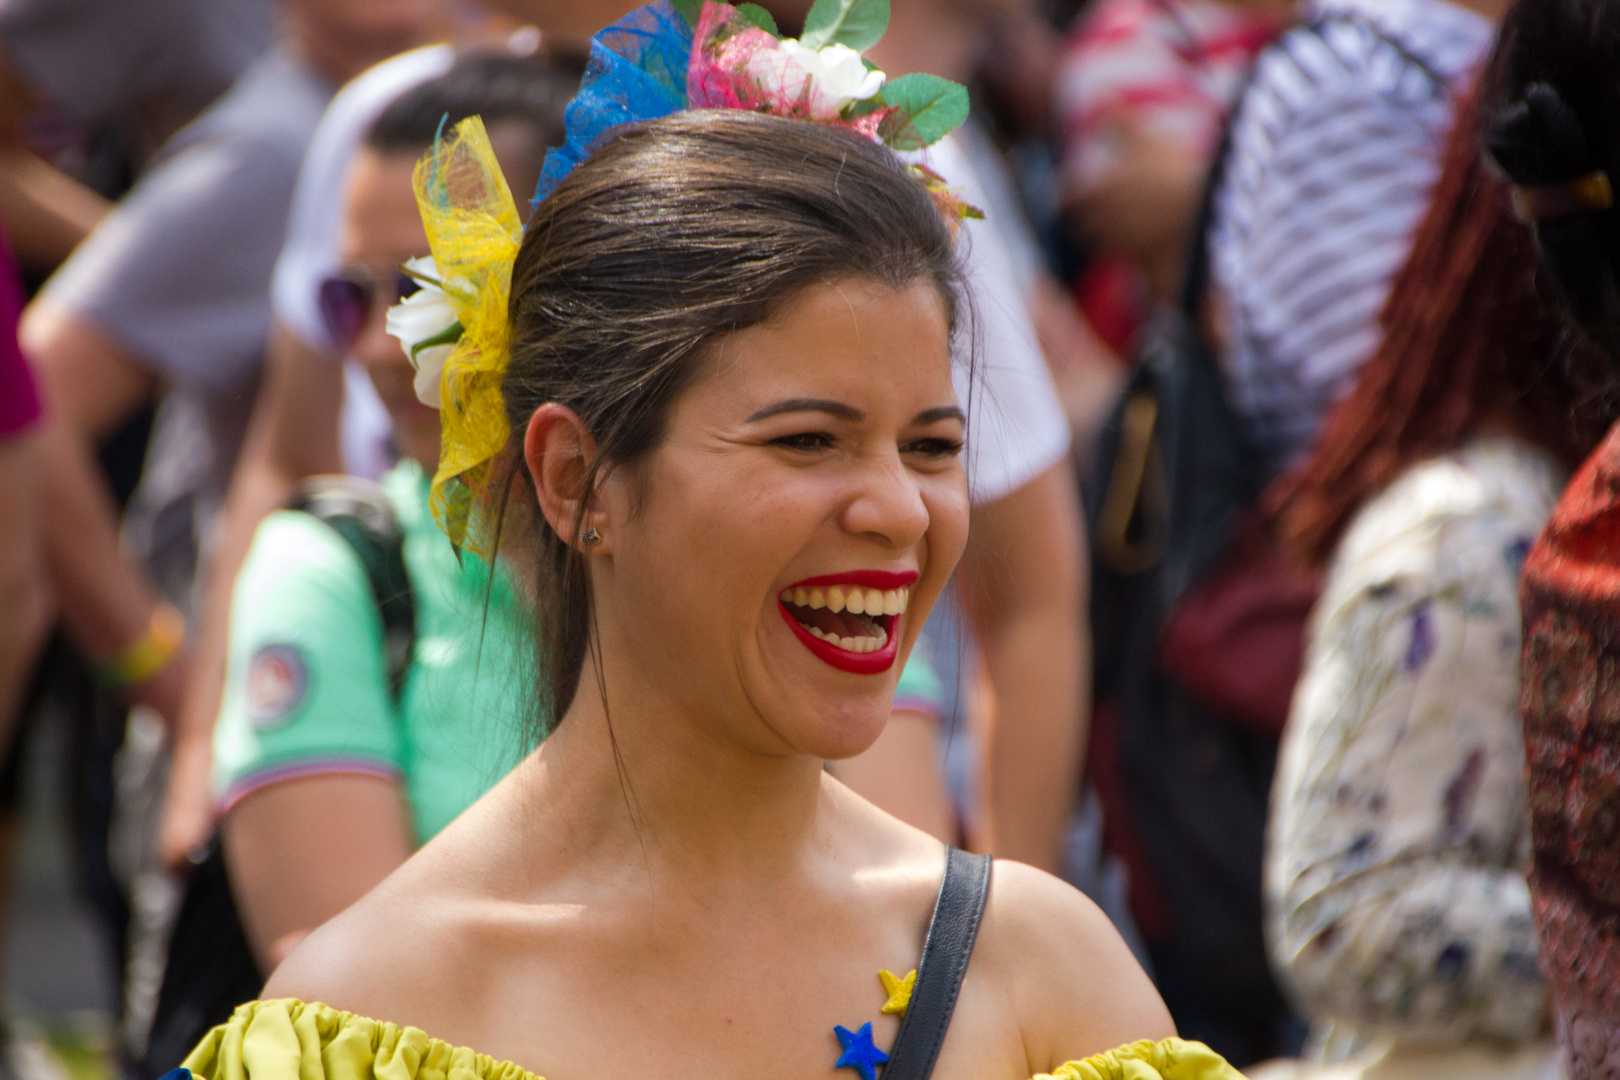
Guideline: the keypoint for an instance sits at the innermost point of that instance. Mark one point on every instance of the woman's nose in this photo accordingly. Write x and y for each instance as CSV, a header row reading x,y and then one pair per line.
x,y
375,346
889,506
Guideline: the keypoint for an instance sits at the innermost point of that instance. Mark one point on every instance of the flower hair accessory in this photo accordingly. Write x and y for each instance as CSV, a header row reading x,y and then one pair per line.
x,y
660,59
455,328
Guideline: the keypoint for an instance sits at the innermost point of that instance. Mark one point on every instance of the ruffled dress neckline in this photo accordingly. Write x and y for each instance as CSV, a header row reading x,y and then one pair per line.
x,y
287,1039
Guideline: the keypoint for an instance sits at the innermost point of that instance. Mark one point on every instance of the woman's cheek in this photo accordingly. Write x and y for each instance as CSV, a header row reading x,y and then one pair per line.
x,y
947,503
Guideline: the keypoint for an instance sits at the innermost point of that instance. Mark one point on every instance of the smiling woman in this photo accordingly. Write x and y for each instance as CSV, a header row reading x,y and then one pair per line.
x,y
734,474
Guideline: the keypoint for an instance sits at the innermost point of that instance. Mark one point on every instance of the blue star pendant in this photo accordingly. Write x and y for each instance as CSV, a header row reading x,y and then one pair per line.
x,y
859,1053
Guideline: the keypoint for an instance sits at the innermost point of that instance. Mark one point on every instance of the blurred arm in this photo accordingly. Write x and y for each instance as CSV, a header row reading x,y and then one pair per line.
x,y
293,433
1023,583
1396,890
23,598
90,385
301,851
45,211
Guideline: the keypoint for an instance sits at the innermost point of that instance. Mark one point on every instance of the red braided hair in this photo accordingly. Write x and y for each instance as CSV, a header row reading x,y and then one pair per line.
x,y
1470,334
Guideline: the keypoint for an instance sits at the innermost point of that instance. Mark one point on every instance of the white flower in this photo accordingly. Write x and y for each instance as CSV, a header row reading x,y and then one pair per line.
x,y
827,79
423,316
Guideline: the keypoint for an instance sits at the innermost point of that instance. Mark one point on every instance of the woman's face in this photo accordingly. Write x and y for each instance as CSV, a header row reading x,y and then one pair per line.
x,y
800,518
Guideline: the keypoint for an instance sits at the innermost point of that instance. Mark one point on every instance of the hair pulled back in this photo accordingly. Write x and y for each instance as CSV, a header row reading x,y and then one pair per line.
x,y
675,232
1552,114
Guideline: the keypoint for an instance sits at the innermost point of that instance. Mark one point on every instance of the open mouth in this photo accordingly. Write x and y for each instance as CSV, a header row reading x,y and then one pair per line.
x,y
851,617
849,620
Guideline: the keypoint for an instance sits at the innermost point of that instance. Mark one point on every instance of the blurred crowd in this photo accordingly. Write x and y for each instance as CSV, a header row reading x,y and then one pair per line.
x,y
1287,628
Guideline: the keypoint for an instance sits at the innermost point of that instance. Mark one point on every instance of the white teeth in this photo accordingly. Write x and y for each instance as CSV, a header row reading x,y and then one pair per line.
x,y
835,599
857,601
874,601
787,596
800,596
891,602
851,644
905,598
818,599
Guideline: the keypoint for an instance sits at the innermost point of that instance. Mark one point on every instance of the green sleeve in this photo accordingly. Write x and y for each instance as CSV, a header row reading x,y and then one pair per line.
x,y
919,689
306,688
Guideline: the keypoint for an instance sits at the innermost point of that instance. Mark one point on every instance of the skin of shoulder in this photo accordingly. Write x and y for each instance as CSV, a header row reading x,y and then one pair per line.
x,y
355,962
1073,983
370,958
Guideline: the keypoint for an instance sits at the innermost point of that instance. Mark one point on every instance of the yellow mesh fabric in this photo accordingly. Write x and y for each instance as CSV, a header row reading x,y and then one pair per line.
x,y
289,1040
474,231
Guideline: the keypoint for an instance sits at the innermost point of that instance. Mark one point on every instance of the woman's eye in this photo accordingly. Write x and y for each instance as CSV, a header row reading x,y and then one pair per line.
x,y
935,448
804,440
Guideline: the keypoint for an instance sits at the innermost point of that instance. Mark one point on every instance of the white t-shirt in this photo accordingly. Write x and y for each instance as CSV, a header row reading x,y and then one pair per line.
x,y
1016,424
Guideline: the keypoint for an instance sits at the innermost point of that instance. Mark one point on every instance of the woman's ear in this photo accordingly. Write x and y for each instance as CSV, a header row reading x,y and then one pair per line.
x,y
558,450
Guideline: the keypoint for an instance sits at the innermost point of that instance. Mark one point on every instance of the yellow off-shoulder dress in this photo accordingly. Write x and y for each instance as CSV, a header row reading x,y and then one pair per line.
x,y
288,1039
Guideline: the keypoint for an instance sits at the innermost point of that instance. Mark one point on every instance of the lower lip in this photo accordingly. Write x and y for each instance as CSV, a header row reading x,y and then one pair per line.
x,y
856,663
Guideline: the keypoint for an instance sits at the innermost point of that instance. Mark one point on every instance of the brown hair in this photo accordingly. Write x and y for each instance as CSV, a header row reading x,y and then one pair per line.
x,y
1470,333
674,233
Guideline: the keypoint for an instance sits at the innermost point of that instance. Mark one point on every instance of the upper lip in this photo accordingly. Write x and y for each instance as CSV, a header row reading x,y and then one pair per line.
x,y
871,579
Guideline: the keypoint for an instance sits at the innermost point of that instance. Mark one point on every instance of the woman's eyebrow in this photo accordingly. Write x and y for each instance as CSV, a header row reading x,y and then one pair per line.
x,y
941,412
820,405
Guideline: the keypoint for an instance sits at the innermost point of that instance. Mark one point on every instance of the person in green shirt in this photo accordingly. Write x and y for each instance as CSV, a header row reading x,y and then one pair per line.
x,y
313,743
308,695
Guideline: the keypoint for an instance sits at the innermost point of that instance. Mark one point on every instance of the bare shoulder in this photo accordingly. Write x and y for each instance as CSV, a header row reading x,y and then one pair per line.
x,y
369,960
1069,976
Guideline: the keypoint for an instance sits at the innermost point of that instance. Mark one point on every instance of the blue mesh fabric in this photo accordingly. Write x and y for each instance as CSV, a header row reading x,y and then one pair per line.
x,y
637,71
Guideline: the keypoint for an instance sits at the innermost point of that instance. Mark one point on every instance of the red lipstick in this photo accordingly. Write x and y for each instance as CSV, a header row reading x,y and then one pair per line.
x,y
872,579
823,642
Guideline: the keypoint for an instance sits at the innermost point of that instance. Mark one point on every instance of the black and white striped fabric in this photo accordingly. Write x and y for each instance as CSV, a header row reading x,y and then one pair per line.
x,y
1335,149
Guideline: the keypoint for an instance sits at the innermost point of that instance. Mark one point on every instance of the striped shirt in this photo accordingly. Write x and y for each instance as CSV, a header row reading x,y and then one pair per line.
x,y
1334,152
1171,66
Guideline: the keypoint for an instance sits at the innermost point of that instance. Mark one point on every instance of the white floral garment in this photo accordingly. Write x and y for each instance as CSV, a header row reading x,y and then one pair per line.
x,y
1399,835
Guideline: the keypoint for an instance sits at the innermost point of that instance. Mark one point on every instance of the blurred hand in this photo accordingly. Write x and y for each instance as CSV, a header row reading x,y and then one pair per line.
x,y
1142,208
188,805
164,690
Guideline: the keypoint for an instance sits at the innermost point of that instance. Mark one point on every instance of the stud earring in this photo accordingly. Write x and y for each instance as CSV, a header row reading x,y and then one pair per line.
x,y
590,538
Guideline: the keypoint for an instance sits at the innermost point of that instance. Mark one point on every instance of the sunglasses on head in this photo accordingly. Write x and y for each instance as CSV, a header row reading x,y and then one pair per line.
x,y
349,297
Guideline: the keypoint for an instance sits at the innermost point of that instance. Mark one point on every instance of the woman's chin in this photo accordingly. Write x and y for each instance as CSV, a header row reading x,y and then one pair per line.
x,y
836,731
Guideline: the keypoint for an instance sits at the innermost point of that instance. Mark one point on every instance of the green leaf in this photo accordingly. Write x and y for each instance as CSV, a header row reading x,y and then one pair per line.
x,y
689,9
760,18
928,108
856,23
865,107
448,336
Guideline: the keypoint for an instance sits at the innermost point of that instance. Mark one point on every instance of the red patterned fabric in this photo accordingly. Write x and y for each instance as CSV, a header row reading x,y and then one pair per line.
x,y
1571,710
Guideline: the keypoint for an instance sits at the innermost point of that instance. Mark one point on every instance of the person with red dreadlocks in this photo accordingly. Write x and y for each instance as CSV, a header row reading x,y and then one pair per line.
x,y
1398,911
1552,102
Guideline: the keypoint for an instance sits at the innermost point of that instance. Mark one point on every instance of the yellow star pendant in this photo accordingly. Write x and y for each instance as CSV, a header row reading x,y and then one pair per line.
x,y
899,991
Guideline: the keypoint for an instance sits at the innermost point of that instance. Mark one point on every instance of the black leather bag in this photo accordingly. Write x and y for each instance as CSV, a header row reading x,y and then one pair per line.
x,y
1174,477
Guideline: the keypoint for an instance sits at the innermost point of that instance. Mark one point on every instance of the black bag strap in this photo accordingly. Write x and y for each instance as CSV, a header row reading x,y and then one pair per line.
x,y
946,952
362,514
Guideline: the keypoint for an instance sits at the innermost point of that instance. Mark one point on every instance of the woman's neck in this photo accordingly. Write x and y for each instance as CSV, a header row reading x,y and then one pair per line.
x,y
640,777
